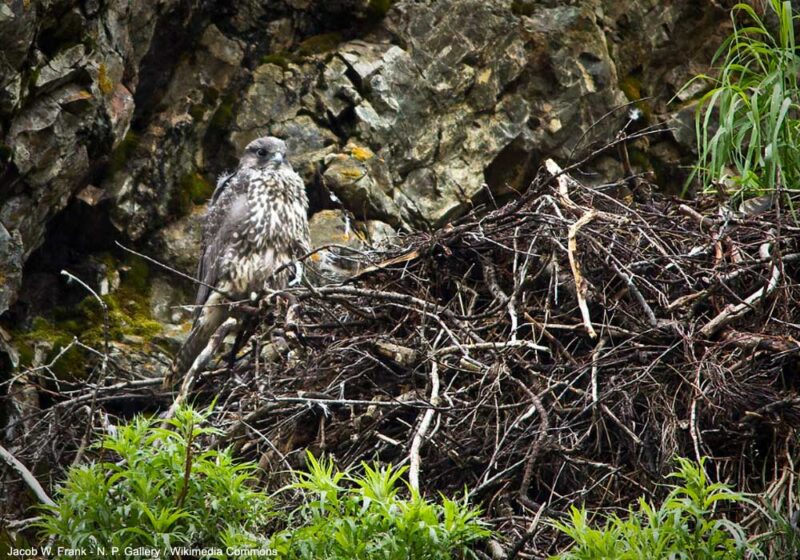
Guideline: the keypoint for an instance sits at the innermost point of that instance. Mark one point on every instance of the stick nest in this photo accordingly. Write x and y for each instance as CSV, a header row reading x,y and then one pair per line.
x,y
559,350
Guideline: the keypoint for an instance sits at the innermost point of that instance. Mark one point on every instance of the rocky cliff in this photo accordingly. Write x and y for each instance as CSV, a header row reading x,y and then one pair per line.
x,y
116,116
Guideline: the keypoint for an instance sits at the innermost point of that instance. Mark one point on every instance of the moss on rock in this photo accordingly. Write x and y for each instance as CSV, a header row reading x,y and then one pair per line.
x,y
522,8
193,189
318,44
378,8
223,116
128,316
631,86
281,59
122,153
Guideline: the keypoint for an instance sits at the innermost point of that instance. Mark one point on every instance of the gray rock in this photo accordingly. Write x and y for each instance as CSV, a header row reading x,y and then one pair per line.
x,y
11,259
178,244
147,187
406,120
168,295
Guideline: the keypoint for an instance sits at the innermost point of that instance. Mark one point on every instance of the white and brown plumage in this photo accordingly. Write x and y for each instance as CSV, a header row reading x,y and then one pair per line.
x,y
256,223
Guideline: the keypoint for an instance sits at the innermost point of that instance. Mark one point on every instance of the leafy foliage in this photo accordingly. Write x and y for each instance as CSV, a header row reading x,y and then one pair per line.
x,y
345,516
755,149
687,525
158,489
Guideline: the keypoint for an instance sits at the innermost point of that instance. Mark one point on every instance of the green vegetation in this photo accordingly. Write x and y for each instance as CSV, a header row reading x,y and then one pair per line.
x,y
155,487
122,153
128,314
354,517
281,59
631,86
689,524
318,44
193,189
378,8
6,153
223,116
755,149
158,488
522,8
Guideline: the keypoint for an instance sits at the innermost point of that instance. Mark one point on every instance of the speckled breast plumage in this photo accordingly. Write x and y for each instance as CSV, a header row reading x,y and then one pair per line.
x,y
273,234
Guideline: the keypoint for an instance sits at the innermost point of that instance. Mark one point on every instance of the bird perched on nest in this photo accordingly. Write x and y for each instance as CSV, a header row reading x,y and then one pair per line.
x,y
256,223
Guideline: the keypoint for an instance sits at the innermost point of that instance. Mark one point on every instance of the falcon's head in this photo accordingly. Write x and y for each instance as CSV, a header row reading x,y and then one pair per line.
x,y
263,153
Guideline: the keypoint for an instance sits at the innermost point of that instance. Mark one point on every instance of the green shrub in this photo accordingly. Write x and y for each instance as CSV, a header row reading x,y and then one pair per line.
x,y
755,148
157,489
351,517
688,526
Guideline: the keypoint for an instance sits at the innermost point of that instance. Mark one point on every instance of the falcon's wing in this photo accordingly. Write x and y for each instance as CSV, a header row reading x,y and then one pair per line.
x,y
227,208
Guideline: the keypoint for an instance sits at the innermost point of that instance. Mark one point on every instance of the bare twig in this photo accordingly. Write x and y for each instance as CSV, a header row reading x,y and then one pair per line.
x,y
26,475
422,429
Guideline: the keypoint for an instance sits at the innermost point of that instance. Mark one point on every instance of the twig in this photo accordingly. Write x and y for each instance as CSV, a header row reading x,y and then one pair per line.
x,y
187,468
535,449
29,479
492,346
651,318
422,429
172,270
581,285
732,312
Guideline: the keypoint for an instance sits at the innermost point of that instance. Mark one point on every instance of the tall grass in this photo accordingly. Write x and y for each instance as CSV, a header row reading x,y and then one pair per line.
x,y
747,126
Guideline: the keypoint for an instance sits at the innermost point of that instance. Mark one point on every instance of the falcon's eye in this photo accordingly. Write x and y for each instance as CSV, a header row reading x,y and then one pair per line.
x,y
262,152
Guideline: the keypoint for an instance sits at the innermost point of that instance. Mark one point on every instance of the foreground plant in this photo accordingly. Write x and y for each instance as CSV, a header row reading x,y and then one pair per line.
x,y
353,517
755,149
688,525
157,489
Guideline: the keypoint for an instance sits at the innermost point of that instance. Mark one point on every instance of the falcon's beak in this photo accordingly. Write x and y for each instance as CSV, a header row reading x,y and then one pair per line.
x,y
277,158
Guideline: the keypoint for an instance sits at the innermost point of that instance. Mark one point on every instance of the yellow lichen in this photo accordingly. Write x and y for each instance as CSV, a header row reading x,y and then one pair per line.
x,y
351,172
103,81
361,153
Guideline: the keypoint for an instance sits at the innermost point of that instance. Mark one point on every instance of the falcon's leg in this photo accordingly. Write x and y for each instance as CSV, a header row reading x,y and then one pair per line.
x,y
248,325
298,275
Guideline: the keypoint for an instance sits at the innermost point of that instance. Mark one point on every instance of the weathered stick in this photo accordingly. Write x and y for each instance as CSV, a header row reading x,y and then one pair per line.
x,y
581,285
27,476
416,442
732,312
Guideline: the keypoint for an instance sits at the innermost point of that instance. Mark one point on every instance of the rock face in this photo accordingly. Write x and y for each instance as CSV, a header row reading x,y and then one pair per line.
x,y
409,112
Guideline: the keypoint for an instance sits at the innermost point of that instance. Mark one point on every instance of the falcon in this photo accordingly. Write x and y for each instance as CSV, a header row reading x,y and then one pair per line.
x,y
255,227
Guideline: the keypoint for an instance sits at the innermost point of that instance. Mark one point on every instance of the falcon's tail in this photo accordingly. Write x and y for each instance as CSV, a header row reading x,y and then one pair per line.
x,y
202,330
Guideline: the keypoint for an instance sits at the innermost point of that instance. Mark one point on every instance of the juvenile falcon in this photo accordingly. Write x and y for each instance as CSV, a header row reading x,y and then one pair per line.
x,y
256,223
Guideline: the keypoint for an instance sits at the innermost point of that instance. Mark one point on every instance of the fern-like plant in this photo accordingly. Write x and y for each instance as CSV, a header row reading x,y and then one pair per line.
x,y
156,489
344,516
688,525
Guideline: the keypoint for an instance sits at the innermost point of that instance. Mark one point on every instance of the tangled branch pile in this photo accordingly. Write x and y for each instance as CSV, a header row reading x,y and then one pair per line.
x,y
561,349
